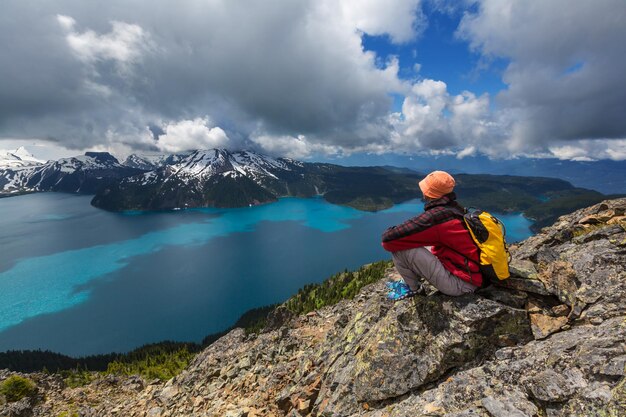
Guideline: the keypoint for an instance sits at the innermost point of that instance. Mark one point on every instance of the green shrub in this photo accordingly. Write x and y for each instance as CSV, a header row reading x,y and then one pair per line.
x,y
15,387
77,377
344,285
160,364
254,320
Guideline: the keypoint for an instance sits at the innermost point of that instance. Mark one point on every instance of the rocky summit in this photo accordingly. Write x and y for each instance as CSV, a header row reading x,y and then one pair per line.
x,y
550,341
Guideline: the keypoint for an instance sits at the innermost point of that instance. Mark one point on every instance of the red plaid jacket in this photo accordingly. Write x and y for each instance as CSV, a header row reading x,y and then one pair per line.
x,y
440,226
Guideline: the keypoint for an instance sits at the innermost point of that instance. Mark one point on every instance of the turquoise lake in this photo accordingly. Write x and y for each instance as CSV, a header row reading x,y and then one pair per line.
x,y
78,280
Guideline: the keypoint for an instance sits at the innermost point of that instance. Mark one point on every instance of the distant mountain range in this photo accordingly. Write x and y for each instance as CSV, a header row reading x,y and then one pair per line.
x,y
83,174
606,176
202,178
221,178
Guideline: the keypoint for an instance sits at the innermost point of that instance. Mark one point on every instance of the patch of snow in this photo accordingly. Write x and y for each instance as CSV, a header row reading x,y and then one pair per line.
x,y
17,159
154,160
83,162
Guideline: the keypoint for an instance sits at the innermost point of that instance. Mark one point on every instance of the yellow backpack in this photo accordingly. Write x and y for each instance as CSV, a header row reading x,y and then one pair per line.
x,y
489,234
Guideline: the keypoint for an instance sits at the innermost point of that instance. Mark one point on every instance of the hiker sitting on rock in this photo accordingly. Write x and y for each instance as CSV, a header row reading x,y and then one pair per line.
x,y
451,264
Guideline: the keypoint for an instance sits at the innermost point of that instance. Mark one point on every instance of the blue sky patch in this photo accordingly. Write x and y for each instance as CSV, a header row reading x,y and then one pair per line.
x,y
440,55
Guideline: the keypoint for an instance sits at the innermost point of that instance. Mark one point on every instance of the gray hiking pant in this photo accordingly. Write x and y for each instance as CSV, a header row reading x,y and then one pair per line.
x,y
420,262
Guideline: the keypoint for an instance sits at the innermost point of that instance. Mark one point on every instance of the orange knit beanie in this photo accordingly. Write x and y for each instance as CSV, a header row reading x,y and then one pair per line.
x,y
437,184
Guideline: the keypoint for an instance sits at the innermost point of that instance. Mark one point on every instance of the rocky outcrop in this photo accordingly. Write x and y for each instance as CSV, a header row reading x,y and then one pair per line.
x,y
551,341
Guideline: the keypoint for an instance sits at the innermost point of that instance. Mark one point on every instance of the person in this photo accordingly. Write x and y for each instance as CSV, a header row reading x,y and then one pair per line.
x,y
434,245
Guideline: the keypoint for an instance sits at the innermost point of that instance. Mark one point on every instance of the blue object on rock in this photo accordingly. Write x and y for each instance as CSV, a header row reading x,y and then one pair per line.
x,y
398,290
397,286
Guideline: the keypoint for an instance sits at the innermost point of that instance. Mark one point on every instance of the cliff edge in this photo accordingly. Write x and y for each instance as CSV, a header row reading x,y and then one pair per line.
x,y
550,341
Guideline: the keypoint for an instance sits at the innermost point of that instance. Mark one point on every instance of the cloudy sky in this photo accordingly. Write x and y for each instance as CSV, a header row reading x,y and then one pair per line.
x,y
315,78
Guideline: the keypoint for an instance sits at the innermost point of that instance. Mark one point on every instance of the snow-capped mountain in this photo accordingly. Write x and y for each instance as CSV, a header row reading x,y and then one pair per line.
x,y
221,178
18,158
85,173
205,164
81,174
201,165
150,162
207,178
215,177
209,162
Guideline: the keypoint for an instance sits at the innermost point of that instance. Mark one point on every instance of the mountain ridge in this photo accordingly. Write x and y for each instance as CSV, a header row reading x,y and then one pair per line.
x,y
80,174
580,173
221,178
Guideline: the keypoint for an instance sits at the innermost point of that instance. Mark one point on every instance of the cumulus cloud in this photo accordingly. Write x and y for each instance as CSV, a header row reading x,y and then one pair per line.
x,y
433,119
124,44
565,63
296,68
296,147
586,150
469,151
402,20
191,134
293,77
